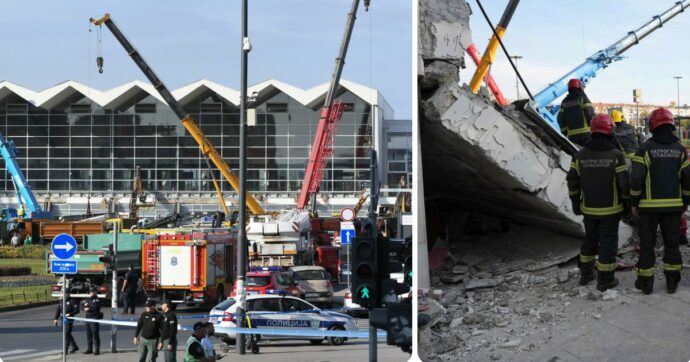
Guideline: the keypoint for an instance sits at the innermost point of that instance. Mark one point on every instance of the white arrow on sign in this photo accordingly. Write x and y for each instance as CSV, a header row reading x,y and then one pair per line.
x,y
349,236
66,247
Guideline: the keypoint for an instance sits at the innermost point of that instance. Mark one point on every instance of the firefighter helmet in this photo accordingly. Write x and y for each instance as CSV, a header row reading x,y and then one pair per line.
x,y
617,116
659,117
603,124
575,83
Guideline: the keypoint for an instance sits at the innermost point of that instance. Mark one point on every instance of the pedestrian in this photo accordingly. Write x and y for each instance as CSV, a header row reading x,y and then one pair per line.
x,y
72,308
129,289
169,332
576,113
92,308
194,352
660,191
627,136
206,341
148,333
15,240
598,185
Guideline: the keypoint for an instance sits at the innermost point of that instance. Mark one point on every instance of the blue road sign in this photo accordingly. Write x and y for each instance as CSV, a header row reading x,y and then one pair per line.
x,y
347,233
63,266
64,246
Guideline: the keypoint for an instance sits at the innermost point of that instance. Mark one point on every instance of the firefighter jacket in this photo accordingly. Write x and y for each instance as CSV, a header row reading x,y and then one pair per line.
x,y
575,114
660,179
627,138
598,179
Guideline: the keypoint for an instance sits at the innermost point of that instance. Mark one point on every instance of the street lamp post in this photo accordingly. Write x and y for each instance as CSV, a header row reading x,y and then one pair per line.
x,y
517,86
678,78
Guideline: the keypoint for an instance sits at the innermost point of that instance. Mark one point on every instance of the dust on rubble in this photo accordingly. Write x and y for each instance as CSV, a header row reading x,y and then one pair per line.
x,y
484,307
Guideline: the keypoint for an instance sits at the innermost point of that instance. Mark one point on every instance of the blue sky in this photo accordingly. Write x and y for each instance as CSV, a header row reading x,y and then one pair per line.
x,y
294,41
549,35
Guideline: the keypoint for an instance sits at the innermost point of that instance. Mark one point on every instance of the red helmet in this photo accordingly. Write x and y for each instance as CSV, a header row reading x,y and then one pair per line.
x,y
660,116
574,83
602,123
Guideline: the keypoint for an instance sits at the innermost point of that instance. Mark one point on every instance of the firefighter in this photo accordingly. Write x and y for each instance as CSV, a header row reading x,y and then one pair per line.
x,y
92,307
660,192
598,185
626,135
576,113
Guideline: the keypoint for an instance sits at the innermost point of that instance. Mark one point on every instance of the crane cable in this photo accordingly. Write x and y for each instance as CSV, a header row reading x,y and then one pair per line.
x,y
99,48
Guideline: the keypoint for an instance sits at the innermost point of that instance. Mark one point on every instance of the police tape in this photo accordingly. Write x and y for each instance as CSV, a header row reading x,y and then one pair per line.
x,y
201,316
307,332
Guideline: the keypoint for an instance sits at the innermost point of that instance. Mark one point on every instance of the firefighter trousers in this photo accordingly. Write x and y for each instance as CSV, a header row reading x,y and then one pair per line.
x,y
602,239
648,223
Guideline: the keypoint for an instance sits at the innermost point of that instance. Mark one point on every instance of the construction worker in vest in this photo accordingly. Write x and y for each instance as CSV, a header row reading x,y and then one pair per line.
x,y
598,185
626,134
660,192
576,113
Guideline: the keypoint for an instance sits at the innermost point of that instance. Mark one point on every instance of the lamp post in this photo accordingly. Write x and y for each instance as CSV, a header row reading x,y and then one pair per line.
x,y
517,87
678,78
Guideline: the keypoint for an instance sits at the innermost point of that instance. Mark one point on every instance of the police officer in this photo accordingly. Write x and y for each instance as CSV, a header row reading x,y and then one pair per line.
x,y
169,332
626,135
92,309
598,185
72,308
129,289
660,190
575,114
148,333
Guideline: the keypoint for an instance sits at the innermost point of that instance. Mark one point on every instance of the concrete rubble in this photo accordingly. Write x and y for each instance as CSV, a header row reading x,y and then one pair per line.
x,y
503,240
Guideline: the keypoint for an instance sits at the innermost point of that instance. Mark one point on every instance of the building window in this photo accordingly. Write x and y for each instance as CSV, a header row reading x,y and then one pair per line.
x,y
145,108
80,108
349,107
276,107
17,108
210,108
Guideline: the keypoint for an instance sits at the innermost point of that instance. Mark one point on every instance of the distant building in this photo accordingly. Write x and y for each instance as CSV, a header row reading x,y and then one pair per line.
x,y
630,110
77,142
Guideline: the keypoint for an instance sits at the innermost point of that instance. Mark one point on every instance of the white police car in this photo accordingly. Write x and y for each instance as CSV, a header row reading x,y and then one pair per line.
x,y
278,311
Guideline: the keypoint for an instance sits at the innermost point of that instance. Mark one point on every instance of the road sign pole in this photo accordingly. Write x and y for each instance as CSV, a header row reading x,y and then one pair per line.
x,y
349,269
113,301
64,318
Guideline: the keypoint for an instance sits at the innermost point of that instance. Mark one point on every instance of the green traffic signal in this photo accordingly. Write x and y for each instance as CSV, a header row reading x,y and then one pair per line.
x,y
365,293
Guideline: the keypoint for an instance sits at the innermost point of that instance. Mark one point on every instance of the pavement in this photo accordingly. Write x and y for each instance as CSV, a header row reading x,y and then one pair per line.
x,y
29,335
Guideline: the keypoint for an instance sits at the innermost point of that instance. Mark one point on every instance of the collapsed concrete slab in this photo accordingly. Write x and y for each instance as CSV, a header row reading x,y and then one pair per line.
x,y
475,156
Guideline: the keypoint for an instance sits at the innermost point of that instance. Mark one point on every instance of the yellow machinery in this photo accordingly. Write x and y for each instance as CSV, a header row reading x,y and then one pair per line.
x,y
188,121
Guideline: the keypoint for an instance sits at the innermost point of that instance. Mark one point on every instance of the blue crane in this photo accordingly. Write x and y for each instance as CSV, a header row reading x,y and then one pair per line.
x,y
599,60
25,197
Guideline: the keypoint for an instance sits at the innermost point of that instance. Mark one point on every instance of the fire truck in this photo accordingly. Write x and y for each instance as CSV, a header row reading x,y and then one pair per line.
x,y
190,267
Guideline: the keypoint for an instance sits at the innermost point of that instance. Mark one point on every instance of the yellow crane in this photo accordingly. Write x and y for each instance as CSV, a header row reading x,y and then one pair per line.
x,y
189,123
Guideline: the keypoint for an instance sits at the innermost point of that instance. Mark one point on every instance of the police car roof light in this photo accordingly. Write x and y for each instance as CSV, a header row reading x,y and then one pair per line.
x,y
278,292
266,268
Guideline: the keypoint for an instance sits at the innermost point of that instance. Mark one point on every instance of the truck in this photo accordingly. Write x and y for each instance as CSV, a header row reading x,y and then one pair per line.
x,y
192,266
91,271
283,240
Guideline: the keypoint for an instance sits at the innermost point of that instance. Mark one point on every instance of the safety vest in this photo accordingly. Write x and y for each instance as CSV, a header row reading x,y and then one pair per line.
x,y
660,176
188,356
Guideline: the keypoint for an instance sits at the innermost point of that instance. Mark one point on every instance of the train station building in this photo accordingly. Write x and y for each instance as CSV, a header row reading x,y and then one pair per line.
x,y
80,146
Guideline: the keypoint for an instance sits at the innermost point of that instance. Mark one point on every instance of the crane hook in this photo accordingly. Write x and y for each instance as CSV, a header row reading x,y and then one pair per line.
x,y
366,5
99,63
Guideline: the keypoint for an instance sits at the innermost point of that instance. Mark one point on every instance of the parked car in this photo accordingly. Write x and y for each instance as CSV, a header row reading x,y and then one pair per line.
x,y
260,282
316,284
277,311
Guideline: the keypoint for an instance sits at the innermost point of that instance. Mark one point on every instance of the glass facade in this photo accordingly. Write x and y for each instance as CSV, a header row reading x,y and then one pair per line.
x,y
79,147
399,146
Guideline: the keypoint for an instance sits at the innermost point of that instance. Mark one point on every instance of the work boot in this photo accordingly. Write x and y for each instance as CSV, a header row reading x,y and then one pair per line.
x,y
586,272
88,351
645,284
97,352
606,280
74,350
672,279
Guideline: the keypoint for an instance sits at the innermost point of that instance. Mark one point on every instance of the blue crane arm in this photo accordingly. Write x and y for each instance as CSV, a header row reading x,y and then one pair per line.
x,y
599,60
23,190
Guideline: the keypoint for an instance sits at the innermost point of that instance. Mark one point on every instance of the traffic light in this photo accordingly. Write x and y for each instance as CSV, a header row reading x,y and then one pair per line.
x,y
407,262
364,280
108,258
396,320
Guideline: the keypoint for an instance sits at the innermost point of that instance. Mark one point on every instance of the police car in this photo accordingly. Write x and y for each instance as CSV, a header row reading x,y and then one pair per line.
x,y
279,311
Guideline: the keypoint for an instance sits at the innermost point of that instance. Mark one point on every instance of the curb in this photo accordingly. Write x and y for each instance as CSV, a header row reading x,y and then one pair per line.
x,y
27,306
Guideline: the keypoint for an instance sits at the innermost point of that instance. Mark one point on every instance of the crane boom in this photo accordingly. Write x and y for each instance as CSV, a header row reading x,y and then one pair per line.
x,y
189,123
599,60
25,197
322,146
